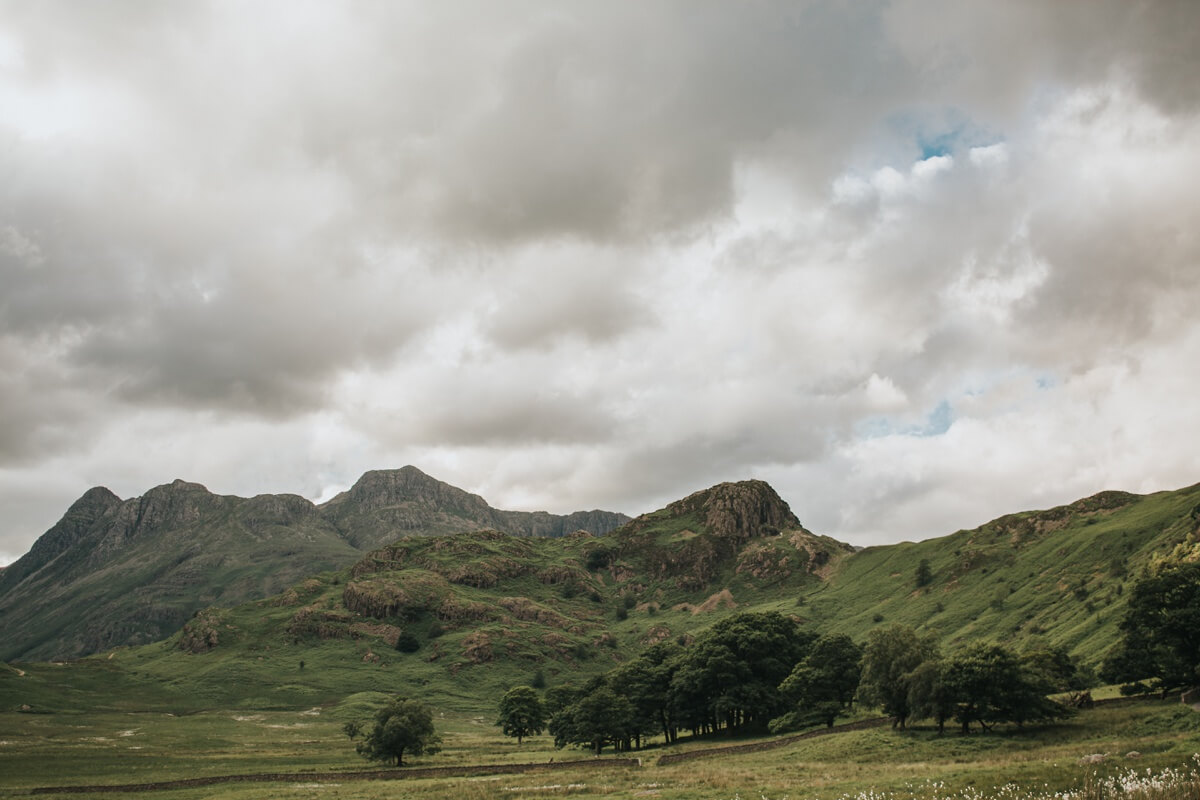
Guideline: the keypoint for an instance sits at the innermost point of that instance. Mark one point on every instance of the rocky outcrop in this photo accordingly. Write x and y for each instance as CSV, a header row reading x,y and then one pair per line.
x,y
738,511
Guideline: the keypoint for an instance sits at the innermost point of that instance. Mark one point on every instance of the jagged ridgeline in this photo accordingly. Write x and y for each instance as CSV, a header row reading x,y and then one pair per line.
x,y
114,572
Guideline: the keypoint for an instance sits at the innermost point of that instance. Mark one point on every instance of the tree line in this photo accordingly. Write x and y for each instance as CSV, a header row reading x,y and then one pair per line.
x,y
761,671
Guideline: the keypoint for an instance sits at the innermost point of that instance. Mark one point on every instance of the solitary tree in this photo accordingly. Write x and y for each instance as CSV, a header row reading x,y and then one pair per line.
x,y
521,713
402,726
924,573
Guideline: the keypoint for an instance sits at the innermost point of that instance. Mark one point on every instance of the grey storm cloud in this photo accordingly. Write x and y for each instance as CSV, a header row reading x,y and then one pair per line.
x,y
627,248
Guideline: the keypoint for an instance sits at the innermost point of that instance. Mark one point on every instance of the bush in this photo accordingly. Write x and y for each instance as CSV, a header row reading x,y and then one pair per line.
x,y
407,643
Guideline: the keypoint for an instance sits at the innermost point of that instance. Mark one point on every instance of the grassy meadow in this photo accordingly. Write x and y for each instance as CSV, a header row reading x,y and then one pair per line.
x,y
133,739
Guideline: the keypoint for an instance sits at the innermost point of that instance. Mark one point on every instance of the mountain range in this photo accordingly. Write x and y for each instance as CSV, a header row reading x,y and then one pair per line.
x,y
117,572
404,580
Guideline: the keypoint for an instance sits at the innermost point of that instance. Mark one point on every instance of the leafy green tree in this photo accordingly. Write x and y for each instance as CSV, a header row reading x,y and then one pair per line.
x,y
559,697
822,685
929,696
596,719
521,713
645,682
1054,667
1161,630
924,575
889,659
402,726
729,677
989,685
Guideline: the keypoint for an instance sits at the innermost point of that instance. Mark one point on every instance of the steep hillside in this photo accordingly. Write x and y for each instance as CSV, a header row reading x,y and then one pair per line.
x,y
133,571
1058,576
115,571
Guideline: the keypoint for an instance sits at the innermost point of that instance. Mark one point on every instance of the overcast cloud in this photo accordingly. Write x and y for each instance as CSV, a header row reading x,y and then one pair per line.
x,y
917,264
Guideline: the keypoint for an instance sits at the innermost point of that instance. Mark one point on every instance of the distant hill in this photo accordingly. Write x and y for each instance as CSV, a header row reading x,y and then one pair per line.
x,y
114,572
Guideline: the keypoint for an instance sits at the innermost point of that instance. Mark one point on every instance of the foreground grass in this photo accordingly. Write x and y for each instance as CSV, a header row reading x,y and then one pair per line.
x,y
112,747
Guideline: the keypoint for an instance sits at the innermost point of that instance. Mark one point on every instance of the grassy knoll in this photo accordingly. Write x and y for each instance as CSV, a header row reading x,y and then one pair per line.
x,y
124,746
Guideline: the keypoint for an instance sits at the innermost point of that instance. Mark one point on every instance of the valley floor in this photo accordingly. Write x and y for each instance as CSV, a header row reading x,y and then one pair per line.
x,y
120,747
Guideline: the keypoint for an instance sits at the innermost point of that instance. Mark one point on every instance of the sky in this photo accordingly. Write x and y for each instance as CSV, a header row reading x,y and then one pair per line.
x,y
916,264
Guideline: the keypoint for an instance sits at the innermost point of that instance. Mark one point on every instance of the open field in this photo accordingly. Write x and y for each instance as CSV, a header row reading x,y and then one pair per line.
x,y
129,746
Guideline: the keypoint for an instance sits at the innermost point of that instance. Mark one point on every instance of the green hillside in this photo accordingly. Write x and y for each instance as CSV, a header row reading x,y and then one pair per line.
x,y
484,610
1053,577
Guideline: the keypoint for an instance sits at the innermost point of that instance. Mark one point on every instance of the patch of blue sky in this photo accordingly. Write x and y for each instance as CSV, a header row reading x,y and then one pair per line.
x,y
940,132
1046,382
936,423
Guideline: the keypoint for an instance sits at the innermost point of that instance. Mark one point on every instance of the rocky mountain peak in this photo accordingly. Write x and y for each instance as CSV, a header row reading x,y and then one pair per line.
x,y
740,510
383,488
98,498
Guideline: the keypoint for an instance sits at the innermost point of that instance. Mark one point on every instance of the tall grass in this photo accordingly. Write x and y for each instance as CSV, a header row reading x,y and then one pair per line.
x,y
1129,784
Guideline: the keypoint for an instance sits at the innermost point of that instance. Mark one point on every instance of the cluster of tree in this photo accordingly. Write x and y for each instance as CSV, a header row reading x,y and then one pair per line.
x,y
740,674
904,674
759,671
1160,633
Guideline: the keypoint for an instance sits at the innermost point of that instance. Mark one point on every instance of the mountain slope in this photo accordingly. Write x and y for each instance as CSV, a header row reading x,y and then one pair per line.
x,y
117,572
1053,577
485,610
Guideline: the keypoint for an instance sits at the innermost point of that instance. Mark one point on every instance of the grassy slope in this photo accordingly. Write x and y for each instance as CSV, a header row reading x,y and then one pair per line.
x,y
1055,577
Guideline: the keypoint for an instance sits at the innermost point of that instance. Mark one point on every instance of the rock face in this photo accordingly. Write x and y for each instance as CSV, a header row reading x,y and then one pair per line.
x,y
713,528
114,572
738,511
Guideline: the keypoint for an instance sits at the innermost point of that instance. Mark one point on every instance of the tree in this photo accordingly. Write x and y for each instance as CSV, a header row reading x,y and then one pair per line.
x,y
521,713
929,696
645,682
1161,630
596,719
1054,667
730,675
402,726
924,573
988,684
407,643
889,659
822,685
